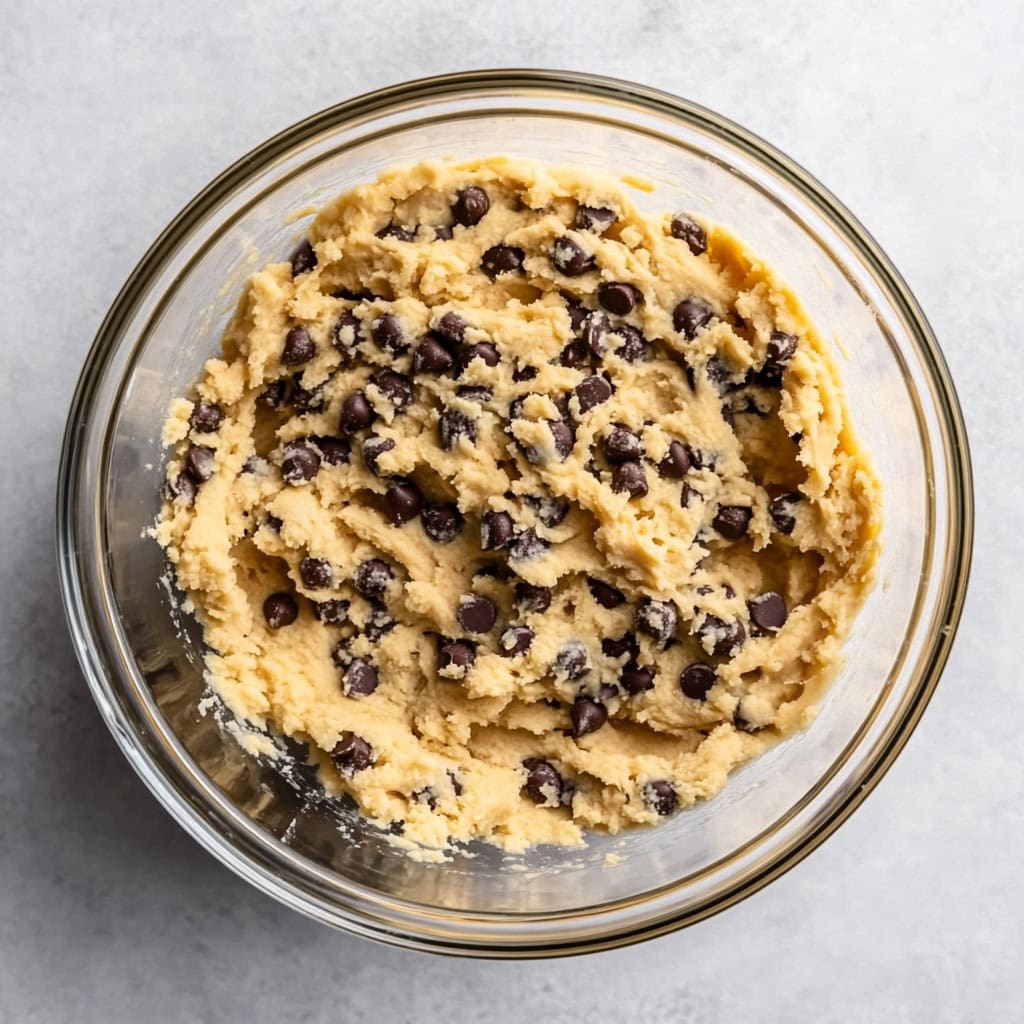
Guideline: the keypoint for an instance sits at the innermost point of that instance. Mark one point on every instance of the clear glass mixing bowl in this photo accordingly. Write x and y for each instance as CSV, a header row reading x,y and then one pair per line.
x,y
272,825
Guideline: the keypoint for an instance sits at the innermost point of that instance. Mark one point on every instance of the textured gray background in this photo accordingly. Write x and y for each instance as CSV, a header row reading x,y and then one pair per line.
x,y
113,115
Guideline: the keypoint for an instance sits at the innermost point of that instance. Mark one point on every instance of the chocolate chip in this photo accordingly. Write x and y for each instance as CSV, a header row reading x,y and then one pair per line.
x,y
356,414
596,328
372,577
721,374
333,612
635,679
721,638
781,347
690,316
402,234
387,334
402,502
618,297
616,648
274,395
452,425
563,436
515,640
570,258
524,373
686,228
206,417
359,679
732,521
373,448
305,400
544,785
352,754
458,655
492,571
476,614
351,295
532,598
782,511
575,354
443,233
496,530
298,347
316,573
442,523
622,445
697,679
768,611
527,546
658,619
592,391
336,451
256,465
676,463
604,593
280,610
273,523
629,478
199,462
345,333
303,259
634,345
594,218
577,311
550,511
572,661
300,462
379,623
452,328
483,350
471,203
587,715
502,259
687,495
395,387
431,356
660,797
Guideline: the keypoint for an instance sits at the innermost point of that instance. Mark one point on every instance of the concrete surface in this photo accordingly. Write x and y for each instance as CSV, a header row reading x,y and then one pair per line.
x,y
113,115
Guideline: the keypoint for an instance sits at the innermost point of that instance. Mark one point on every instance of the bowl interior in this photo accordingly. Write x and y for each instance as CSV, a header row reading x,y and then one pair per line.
x,y
770,805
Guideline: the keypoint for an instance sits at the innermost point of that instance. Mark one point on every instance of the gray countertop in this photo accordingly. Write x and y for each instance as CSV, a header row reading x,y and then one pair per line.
x,y
113,115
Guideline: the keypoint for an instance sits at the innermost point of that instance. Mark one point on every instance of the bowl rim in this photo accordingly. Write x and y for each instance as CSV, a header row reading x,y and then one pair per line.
x,y
244,854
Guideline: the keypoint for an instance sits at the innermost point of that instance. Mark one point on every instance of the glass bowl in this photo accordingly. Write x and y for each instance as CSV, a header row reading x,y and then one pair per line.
x,y
267,819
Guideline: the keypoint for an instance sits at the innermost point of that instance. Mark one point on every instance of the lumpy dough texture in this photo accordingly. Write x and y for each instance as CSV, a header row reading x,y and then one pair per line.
x,y
529,513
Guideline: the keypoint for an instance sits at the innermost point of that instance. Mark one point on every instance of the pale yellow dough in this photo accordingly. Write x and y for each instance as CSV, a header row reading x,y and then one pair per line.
x,y
426,730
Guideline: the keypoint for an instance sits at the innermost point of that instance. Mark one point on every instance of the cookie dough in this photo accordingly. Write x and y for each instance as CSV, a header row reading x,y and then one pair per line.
x,y
529,513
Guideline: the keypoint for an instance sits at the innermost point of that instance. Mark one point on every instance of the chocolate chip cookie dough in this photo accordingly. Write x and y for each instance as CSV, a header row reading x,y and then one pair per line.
x,y
529,513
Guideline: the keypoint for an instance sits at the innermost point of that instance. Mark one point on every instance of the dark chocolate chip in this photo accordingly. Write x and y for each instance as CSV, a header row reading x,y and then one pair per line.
x,y
781,347
303,259
616,648
316,573
452,328
587,715
577,311
199,462
550,510
634,345
372,577
274,395
676,463
572,661
720,373
570,258
402,502
563,436
721,638
605,594
527,546
660,797
476,614
431,356
697,679
544,785
397,231
452,425
273,523
379,623
515,640
308,400
333,612
658,619
575,354
690,316
345,333
532,598
629,478
395,387
456,654
356,414
300,462
768,611
596,328
471,203
482,350
636,679
524,373
359,679
618,297
442,523
298,347
373,448
493,571
732,521
496,530
622,445
387,334
594,218
256,465
352,754
502,259
336,451
782,510
686,228
475,393
206,417
443,233
592,391
280,610
687,495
